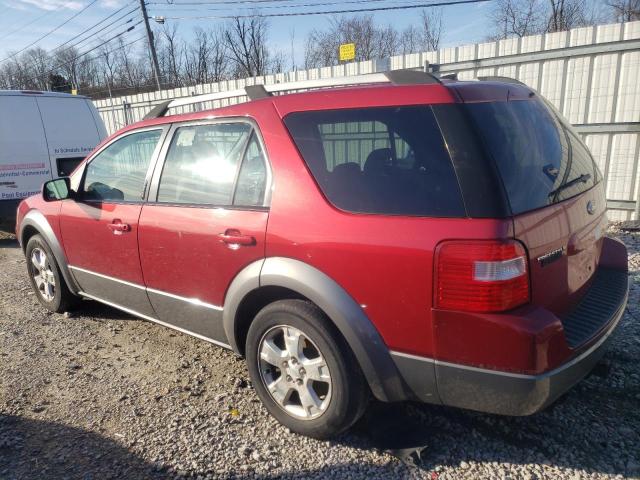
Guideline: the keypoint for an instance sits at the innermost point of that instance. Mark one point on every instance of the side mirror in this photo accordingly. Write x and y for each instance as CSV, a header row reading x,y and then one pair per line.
x,y
58,189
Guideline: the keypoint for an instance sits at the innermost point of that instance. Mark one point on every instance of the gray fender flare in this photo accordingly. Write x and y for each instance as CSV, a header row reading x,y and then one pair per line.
x,y
363,338
37,220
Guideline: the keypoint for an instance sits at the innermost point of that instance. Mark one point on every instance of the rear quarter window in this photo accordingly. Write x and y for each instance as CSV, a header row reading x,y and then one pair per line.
x,y
389,160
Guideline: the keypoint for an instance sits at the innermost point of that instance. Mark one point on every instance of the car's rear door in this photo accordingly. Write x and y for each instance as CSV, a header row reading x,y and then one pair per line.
x,y
205,221
100,226
555,192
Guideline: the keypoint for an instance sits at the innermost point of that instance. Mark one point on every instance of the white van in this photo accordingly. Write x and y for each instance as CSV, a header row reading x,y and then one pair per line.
x,y
43,135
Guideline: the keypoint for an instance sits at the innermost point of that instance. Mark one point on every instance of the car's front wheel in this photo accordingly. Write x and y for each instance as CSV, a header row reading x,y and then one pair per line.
x,y
303,371
46,279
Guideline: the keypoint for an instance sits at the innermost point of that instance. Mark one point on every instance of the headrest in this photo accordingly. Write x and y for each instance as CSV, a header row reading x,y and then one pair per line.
x,y
377,161
347,168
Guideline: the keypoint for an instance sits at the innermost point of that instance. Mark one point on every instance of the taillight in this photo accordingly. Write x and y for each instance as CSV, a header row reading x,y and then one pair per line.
x,y
481,276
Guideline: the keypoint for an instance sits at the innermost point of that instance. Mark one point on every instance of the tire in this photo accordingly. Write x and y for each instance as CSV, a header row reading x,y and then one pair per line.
x,y
320,391
50,288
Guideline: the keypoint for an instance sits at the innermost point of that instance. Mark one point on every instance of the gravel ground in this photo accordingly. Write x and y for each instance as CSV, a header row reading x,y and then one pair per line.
x,y
99,395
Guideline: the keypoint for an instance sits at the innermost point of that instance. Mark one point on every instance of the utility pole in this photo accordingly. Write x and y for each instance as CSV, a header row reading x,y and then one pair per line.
x,y
152,45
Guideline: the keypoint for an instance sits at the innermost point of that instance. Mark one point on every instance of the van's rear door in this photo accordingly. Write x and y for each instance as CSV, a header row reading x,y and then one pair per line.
x,y
24,162
555,193
71,131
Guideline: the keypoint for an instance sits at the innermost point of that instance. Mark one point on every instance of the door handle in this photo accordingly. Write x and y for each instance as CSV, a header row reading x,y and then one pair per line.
x,y
234,238
117,227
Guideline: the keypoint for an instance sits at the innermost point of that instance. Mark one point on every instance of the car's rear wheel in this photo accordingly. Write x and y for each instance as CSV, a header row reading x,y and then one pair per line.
x,y
46,280
303,371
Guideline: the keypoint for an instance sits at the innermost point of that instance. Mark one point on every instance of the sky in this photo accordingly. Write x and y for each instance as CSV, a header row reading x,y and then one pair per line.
x,y
25,21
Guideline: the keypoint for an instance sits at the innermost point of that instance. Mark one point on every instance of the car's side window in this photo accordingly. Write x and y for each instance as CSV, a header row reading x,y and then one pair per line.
x,y
202,163
252,179
383,160
118,172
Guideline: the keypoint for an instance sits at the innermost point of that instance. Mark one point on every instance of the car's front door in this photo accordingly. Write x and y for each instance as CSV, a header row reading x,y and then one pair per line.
x,y
99,226
208,221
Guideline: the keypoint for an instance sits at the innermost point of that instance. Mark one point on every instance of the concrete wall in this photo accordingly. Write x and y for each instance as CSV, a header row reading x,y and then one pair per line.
x,y
591,74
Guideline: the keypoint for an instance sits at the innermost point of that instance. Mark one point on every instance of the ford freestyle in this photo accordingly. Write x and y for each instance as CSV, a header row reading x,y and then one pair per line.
x,y
412,238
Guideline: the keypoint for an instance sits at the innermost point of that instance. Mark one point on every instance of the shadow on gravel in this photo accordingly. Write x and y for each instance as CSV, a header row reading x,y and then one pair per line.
x,y
569,434
34,449
8,243
97,310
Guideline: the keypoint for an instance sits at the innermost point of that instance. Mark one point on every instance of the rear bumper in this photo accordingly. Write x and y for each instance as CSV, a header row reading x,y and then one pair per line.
x,y
500,392
512,394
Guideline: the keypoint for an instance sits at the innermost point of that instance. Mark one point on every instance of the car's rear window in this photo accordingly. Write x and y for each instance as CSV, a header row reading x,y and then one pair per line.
x,y
540,158
388,160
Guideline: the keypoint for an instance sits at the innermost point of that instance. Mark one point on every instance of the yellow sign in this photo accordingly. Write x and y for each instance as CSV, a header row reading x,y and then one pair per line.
x,y
347,51
74,91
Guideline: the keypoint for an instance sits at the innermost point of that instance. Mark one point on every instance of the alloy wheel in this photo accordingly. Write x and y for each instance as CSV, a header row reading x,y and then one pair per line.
x,y
294,372
43,275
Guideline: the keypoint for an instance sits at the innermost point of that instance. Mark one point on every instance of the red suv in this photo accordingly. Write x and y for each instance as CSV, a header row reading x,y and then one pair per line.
x,y
410,238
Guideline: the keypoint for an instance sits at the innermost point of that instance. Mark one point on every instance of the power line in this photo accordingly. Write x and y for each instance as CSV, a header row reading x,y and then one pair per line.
x,y
92,37
96,24
327,12
222,2
106,41
94,48
177,6
50,31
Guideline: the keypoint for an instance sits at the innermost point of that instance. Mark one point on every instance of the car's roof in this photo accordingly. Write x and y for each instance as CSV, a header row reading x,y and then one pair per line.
x,y
30,93
362,96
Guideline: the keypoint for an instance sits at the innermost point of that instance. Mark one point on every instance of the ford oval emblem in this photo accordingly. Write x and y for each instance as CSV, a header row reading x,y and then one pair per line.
x,y
591,207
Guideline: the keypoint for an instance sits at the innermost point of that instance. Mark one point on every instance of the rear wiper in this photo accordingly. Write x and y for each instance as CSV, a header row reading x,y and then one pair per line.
x,y
584,178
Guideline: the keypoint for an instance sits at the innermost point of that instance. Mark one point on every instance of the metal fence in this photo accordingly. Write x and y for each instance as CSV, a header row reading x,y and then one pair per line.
x,y
591,74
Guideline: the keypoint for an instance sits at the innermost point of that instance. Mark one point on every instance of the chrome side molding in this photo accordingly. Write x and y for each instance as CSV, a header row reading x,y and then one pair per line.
x,y
194,301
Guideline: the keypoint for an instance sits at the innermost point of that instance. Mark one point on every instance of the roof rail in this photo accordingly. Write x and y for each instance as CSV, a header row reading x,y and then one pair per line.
x,y
495,78
449,76
255,92
411,77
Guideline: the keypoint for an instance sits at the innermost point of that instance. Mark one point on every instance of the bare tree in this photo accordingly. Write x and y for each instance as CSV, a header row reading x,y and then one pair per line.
x,y
277,62
410,40
320,49
38,64
387,42
567,14
170,53
130,69
15,74
107,65
625,10
518,18
68,62
205,58
218,59
246,41
431,23
530,17
371,40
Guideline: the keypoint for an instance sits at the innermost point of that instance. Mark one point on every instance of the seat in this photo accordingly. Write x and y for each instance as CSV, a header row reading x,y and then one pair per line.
x,y
379,162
